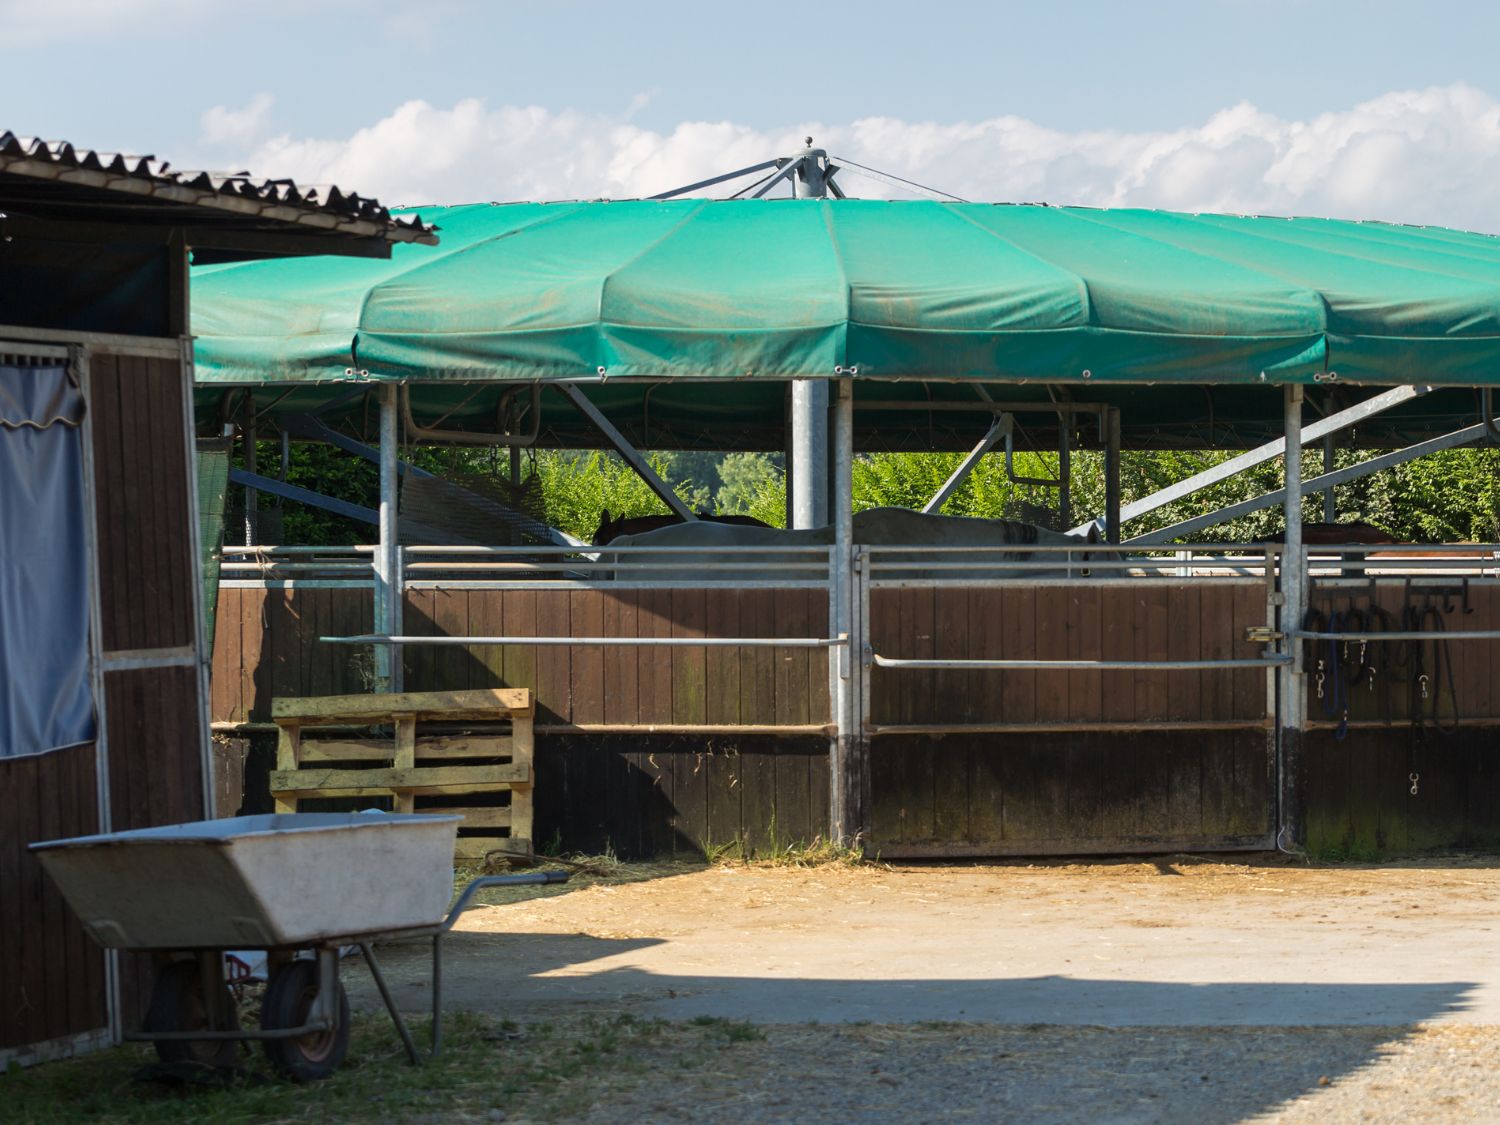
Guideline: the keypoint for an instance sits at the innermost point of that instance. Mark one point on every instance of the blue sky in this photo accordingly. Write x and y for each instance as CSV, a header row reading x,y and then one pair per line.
x,y
573,97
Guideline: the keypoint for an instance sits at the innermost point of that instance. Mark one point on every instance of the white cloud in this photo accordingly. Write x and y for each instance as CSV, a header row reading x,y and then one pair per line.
x,y
237,127
1425,156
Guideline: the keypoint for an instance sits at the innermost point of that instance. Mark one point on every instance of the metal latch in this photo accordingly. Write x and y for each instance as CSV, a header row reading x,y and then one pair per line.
x,y
1262,635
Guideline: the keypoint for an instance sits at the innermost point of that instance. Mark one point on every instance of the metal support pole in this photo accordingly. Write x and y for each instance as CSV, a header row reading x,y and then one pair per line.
x,y
846,814
387,579
997,430
809,453
1064,470
628,452
1293,693
1330,506
1112,475
252,497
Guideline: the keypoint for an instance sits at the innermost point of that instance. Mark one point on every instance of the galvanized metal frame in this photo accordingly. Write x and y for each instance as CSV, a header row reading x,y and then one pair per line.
x,y
1333,423
1308,487
1292,693
79,359
629,452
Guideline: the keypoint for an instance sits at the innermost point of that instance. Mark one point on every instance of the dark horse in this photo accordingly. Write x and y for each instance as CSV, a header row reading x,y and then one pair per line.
x,y
1327,534
611,528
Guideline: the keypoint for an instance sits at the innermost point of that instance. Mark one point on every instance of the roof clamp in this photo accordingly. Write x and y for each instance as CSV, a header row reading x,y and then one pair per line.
x,y
1087,374
1325,376
356,373
601,372
840,369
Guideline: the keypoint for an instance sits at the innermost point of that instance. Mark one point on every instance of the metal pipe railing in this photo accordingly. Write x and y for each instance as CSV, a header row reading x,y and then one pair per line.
x,y
1079,665
610,642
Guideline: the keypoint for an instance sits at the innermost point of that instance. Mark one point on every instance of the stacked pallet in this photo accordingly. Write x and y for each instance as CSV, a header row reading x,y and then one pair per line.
x,y
463,752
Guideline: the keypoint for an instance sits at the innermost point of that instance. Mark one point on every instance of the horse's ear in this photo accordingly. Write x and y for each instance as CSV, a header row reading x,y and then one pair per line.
x,y
604,518
1093,533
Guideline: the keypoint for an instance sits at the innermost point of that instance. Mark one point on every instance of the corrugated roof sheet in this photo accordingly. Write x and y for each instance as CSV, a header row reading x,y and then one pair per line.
x,y
324,207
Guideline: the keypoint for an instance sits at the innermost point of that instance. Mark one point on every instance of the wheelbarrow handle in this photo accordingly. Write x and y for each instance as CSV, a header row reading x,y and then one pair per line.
x,y
485,881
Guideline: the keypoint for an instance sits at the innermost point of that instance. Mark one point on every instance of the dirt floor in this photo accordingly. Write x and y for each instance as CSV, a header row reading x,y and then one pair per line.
x,y
1169,990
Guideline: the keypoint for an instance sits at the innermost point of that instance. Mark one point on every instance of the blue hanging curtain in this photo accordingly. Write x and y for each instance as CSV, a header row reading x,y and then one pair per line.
x,y
46,698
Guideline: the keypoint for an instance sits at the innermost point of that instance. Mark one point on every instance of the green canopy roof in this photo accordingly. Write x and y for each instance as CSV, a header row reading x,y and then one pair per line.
x,y
773,289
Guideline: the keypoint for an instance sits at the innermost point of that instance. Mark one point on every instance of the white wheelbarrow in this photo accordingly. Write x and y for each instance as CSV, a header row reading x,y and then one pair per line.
x,y
300,886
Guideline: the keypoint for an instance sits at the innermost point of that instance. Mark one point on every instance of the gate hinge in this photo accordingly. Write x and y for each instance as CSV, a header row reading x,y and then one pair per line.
x,y
1263,635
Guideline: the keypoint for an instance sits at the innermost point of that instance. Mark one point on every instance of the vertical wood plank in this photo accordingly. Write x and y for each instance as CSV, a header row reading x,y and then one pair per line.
x,y
792,664
619,665
1119,607
689,664
918,790
1151,639
553,662
520,616
722,665
655,661
586,613
1018,690
951,702
1052,628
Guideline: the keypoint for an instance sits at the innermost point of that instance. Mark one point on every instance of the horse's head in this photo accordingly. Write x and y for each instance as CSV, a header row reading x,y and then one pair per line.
x,y
608,529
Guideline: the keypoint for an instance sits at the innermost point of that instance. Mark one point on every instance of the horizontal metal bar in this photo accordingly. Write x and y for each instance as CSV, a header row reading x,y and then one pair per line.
x,y
606,585
814,550
613,642
1083,665
1434,635
303,496
241,1035
124,660
1026,583
272,583
108,343
1400,724
784,730
664,564
1103,727
979,406
273,552
779,729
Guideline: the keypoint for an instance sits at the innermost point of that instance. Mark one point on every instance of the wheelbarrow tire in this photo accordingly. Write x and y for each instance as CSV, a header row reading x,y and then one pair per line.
x,y
177,1005
289,998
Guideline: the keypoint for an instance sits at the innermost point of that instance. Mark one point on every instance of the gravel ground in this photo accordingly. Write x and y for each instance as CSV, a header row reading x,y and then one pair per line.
x,y
1173,990
1046,1075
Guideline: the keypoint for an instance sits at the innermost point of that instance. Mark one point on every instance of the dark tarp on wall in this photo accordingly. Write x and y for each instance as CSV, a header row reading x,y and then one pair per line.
x,y
46,700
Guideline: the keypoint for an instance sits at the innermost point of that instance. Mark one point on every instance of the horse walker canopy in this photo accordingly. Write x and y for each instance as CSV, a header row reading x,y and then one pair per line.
x,y
679,323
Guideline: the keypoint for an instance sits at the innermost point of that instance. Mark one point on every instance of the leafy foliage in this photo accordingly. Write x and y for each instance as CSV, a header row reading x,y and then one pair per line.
x,y
1453,496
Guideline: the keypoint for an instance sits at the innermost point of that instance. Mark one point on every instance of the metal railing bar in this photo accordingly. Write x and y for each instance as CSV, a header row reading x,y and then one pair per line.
x,y
611,642
1067,728
1434,635
1083,665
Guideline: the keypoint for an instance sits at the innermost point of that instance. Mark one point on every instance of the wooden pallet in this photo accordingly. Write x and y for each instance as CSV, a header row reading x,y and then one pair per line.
x,y
420,768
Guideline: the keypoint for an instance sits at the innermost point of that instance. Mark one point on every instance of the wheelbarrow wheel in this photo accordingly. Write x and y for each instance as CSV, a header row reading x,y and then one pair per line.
x,y
177,1004
289,998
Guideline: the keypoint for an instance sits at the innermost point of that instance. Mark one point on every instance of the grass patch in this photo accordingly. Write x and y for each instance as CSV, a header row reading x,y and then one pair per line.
x,y
778,851
539,1072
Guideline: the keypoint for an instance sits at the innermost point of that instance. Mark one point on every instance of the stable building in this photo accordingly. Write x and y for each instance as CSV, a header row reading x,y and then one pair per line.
x,y
103,651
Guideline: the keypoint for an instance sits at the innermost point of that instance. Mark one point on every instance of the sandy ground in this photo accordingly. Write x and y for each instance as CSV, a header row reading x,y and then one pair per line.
x,y
1152,991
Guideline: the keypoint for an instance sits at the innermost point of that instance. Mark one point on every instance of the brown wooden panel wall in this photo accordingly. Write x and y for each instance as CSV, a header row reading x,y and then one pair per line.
x,y
266,646
51,972
1387,696
1151,620
1357,789
1069,793
141,496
